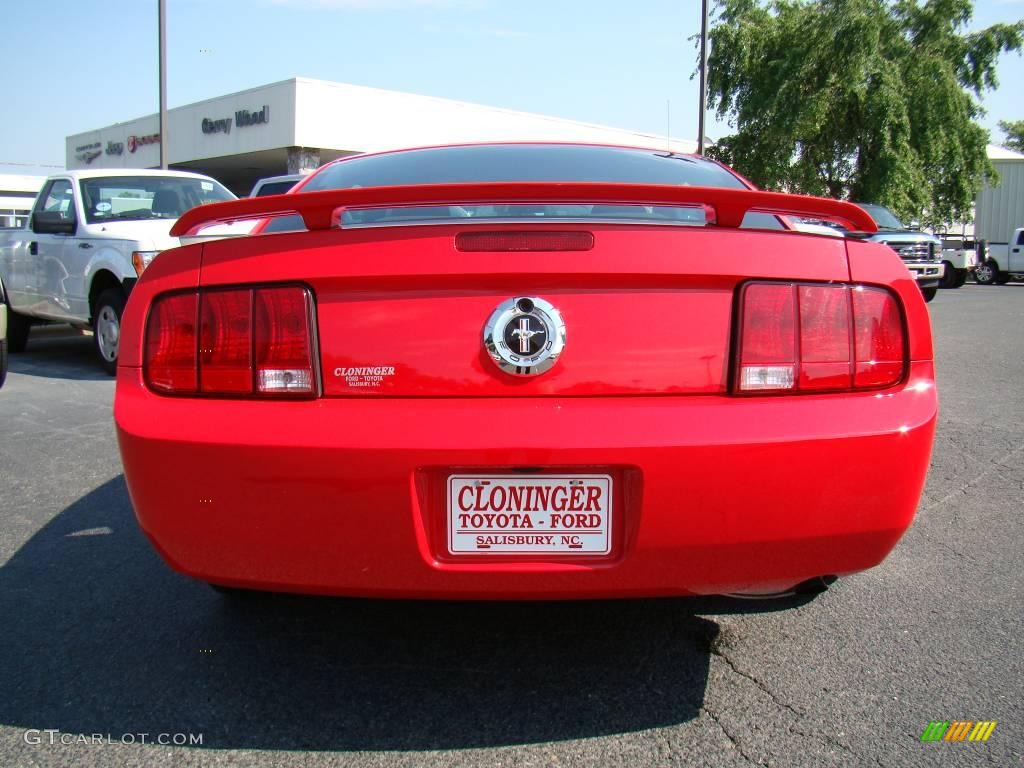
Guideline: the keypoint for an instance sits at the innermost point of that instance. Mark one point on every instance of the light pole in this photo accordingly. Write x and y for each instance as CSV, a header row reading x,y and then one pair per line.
x,y
703,74
162,6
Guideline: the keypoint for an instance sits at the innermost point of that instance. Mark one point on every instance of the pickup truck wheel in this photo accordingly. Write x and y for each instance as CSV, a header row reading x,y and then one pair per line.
x,y
950,275
106,327
1002,278
18,327
929,293
987,273
3,361
961,278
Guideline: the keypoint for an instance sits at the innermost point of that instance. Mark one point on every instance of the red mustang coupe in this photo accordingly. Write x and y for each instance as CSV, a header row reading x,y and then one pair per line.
x,y
526,371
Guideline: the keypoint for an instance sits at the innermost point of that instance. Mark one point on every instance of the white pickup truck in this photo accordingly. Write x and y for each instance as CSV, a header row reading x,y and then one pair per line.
x,y
959,260
90,236
1003,262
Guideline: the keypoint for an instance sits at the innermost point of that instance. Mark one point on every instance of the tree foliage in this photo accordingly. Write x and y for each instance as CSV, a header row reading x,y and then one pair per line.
x,y
869,100
1014,130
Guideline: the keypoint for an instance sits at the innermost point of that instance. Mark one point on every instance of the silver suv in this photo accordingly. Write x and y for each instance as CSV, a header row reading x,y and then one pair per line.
x,y
275,185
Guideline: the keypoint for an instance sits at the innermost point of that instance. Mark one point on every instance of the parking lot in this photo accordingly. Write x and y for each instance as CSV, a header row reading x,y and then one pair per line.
x,y
100,637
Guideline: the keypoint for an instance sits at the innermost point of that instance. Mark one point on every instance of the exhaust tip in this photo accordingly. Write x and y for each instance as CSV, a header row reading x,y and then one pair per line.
x,y
811,587
815,586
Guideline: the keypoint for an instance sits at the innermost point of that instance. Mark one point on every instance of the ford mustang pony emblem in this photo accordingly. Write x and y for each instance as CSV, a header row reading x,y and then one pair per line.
x,y
524,333
524,336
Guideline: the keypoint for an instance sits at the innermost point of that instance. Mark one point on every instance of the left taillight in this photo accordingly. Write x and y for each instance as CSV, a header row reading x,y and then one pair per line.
x,y
236,342
171,335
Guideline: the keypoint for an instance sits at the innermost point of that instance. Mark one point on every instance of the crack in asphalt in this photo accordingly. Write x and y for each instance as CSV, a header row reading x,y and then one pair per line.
x,y
999,462
963,490
729,736
719,653
715,651
948,547
828,740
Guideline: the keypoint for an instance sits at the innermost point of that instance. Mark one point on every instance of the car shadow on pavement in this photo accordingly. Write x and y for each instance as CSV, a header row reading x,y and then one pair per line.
x,y
58,352
101,637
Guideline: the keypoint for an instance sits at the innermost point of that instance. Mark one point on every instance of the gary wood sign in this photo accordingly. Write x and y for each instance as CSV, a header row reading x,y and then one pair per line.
x,y
243,118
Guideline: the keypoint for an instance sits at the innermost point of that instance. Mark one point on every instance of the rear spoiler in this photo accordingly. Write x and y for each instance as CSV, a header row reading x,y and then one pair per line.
x,y
725,207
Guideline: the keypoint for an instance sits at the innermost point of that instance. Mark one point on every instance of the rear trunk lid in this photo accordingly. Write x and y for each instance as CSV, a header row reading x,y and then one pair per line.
x,y
648,310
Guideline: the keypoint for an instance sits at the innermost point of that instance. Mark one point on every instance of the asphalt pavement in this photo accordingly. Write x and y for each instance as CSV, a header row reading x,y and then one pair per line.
x,y
104,651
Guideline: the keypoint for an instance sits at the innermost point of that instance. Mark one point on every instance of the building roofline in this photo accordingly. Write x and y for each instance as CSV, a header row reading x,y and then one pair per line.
x,y
199,103
402,94
996,152
490,108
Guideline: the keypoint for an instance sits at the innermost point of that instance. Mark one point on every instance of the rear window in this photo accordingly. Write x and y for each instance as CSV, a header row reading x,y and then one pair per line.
x,y
276,187
522,162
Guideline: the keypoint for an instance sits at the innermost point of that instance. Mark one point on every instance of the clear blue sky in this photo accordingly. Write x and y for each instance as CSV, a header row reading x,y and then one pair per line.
x,y
75,66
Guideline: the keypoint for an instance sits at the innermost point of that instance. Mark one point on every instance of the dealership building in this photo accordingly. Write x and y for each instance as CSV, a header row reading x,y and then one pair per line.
x,y
17,193
296,125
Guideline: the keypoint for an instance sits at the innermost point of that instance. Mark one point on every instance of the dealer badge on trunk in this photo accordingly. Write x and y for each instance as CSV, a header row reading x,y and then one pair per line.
x,y
524,336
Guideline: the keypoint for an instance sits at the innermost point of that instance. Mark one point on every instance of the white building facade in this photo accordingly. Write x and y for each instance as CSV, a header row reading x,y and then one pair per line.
x,y
999,209
17,193
296,125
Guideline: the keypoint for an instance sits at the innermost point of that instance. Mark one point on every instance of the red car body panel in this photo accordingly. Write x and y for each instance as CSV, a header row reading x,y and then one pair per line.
x,y
345,493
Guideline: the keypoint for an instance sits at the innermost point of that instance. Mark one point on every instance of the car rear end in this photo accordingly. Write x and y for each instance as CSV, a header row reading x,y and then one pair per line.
x,y
731,410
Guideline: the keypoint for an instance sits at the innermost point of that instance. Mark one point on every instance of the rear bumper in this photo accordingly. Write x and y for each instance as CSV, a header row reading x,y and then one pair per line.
x,y
346,496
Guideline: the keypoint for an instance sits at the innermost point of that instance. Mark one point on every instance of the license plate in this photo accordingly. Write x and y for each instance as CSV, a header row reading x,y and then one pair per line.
x,y
524,514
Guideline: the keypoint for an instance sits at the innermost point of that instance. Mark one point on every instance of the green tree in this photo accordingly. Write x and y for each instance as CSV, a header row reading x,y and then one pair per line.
x,y
1014,130
871,100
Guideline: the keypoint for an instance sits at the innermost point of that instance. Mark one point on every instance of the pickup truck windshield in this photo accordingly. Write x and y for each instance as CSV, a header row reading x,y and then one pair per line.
x,y
884,218
123,198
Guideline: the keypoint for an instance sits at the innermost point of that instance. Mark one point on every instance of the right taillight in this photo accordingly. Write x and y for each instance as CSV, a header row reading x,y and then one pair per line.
x,y
879,338
816,337
232,342
282,341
